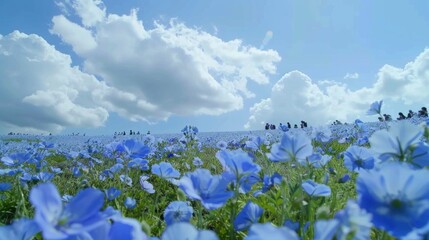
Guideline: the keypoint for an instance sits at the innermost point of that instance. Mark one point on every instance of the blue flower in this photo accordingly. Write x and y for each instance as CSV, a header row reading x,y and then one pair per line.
x,y
147,186
326,229
23,229
268,231
5,186
112,193
249,215
356,158
126,179
125,229
396,196
345,178
318,161
130,203
186,231
133,148
197,162
178,211
44,176
80,215
292,147
16,159
353,221
315,189
397,143
238,162
375,108
140,163
210,190
165,170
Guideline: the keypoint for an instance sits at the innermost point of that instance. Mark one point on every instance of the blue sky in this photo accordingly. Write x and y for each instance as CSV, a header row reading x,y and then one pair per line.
x,y
102,66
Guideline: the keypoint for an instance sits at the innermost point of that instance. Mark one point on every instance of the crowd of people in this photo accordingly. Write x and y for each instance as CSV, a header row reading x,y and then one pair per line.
x,y
124,133
269,126
423,112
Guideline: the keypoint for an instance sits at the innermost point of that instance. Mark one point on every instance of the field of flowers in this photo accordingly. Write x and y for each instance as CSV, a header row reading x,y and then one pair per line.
x,y
349,181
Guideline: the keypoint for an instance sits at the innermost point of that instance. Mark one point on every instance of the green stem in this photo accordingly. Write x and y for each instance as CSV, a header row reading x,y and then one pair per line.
x,y
200,216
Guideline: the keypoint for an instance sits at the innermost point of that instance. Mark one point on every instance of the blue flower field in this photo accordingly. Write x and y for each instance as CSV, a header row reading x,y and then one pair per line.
x,y
362,180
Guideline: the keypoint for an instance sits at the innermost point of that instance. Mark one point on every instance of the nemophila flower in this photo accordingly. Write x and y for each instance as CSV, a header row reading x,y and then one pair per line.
x,y
139,163
375,108
322,134
9,171
44,176
130,203
165,170
254,143
316,189
56,170
126,179
326,229
345,178
5,186
268,231
178,211
124,229
397,143
16,159
197,162
210,190
186,231
76,172
112,193
147,186
356,158
420,156
292,147
353,222
269,182
291,225
133,148
241,165
318,160
238,162
116,168
22,229
396,196
221,145
249,215
78,217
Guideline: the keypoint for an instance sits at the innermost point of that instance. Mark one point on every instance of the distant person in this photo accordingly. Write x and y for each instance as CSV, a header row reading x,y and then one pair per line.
x,y
387,117
148,133
288,125
273,127
295,126
423,112
410,114
267,126
380,119
401,116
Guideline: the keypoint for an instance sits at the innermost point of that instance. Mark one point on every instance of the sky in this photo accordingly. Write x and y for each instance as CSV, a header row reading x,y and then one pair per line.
x,y
97,67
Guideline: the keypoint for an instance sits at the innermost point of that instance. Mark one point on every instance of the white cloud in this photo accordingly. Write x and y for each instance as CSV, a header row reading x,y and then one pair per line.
x,y
168,70
296,97
351,76
141,74
40,90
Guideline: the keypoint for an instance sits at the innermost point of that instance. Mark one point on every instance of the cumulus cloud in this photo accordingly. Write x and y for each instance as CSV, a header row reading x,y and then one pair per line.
x,y
297,97
351,76
164,71
41,90
141,74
